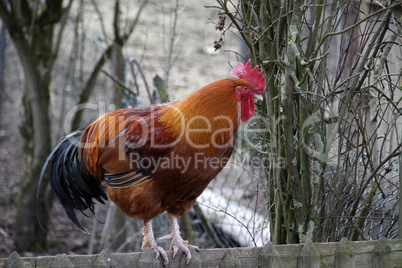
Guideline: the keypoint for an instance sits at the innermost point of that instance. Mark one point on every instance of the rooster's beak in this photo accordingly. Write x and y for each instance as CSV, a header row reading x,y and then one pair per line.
x,y
258,97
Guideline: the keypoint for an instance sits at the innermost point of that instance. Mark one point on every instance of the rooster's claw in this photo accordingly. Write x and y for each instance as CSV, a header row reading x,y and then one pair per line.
x,y
160,251
185,248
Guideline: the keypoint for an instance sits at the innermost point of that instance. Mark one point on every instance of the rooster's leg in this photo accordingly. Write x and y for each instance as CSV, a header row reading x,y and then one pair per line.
x,y
177,241
149,241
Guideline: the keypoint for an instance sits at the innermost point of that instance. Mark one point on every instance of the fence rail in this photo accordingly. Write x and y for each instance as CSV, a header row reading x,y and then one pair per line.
x,y
381,253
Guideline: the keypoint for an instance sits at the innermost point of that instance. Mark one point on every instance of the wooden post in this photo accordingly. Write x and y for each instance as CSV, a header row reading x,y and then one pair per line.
x,y
345,254
269,256
14,261
147,259
309,257
371,254
61,261
382,254
230,259
105,259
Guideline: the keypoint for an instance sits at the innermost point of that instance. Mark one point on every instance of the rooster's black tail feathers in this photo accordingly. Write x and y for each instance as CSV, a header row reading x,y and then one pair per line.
x,y
75,188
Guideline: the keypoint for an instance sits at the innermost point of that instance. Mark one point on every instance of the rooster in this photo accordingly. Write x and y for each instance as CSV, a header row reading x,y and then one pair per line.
x,y
152,160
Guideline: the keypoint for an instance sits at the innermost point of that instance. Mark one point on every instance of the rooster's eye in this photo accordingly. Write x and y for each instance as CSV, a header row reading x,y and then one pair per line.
x,y
246,88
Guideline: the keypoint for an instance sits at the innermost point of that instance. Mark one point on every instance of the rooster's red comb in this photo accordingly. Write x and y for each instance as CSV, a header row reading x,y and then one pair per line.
x,y
253,76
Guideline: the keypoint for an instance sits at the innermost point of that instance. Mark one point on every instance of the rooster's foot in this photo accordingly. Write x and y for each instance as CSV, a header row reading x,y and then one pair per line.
x,y
177,241
160,251
149,241
180,244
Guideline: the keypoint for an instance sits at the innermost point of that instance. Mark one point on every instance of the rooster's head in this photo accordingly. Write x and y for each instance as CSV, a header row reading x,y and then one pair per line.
x,y
250,91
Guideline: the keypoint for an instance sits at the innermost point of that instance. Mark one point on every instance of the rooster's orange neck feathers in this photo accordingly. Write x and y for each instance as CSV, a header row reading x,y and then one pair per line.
x,y
211,115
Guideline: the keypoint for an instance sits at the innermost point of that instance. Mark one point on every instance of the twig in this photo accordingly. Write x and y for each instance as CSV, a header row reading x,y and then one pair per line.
x,y
4,233
91,244
134,77
100,17
128,240
211,233
378,12
106,227
87,90
230,215
171,44
358,217
114,79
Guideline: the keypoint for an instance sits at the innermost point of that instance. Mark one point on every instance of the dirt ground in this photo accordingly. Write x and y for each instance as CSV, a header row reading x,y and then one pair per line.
x,y
194,64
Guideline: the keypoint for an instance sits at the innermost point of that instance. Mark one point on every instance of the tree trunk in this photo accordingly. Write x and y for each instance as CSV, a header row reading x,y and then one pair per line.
x,y
28,234
30,42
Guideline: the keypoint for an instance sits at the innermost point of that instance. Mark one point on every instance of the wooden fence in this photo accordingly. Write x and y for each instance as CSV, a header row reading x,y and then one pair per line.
x,y
381,253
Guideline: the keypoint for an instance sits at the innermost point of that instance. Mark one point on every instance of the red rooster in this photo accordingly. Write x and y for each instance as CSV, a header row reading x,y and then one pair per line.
x,y
158,159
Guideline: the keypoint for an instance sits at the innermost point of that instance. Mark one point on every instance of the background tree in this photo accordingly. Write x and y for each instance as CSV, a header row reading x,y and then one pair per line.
x,y
31,28
332,92
36,30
